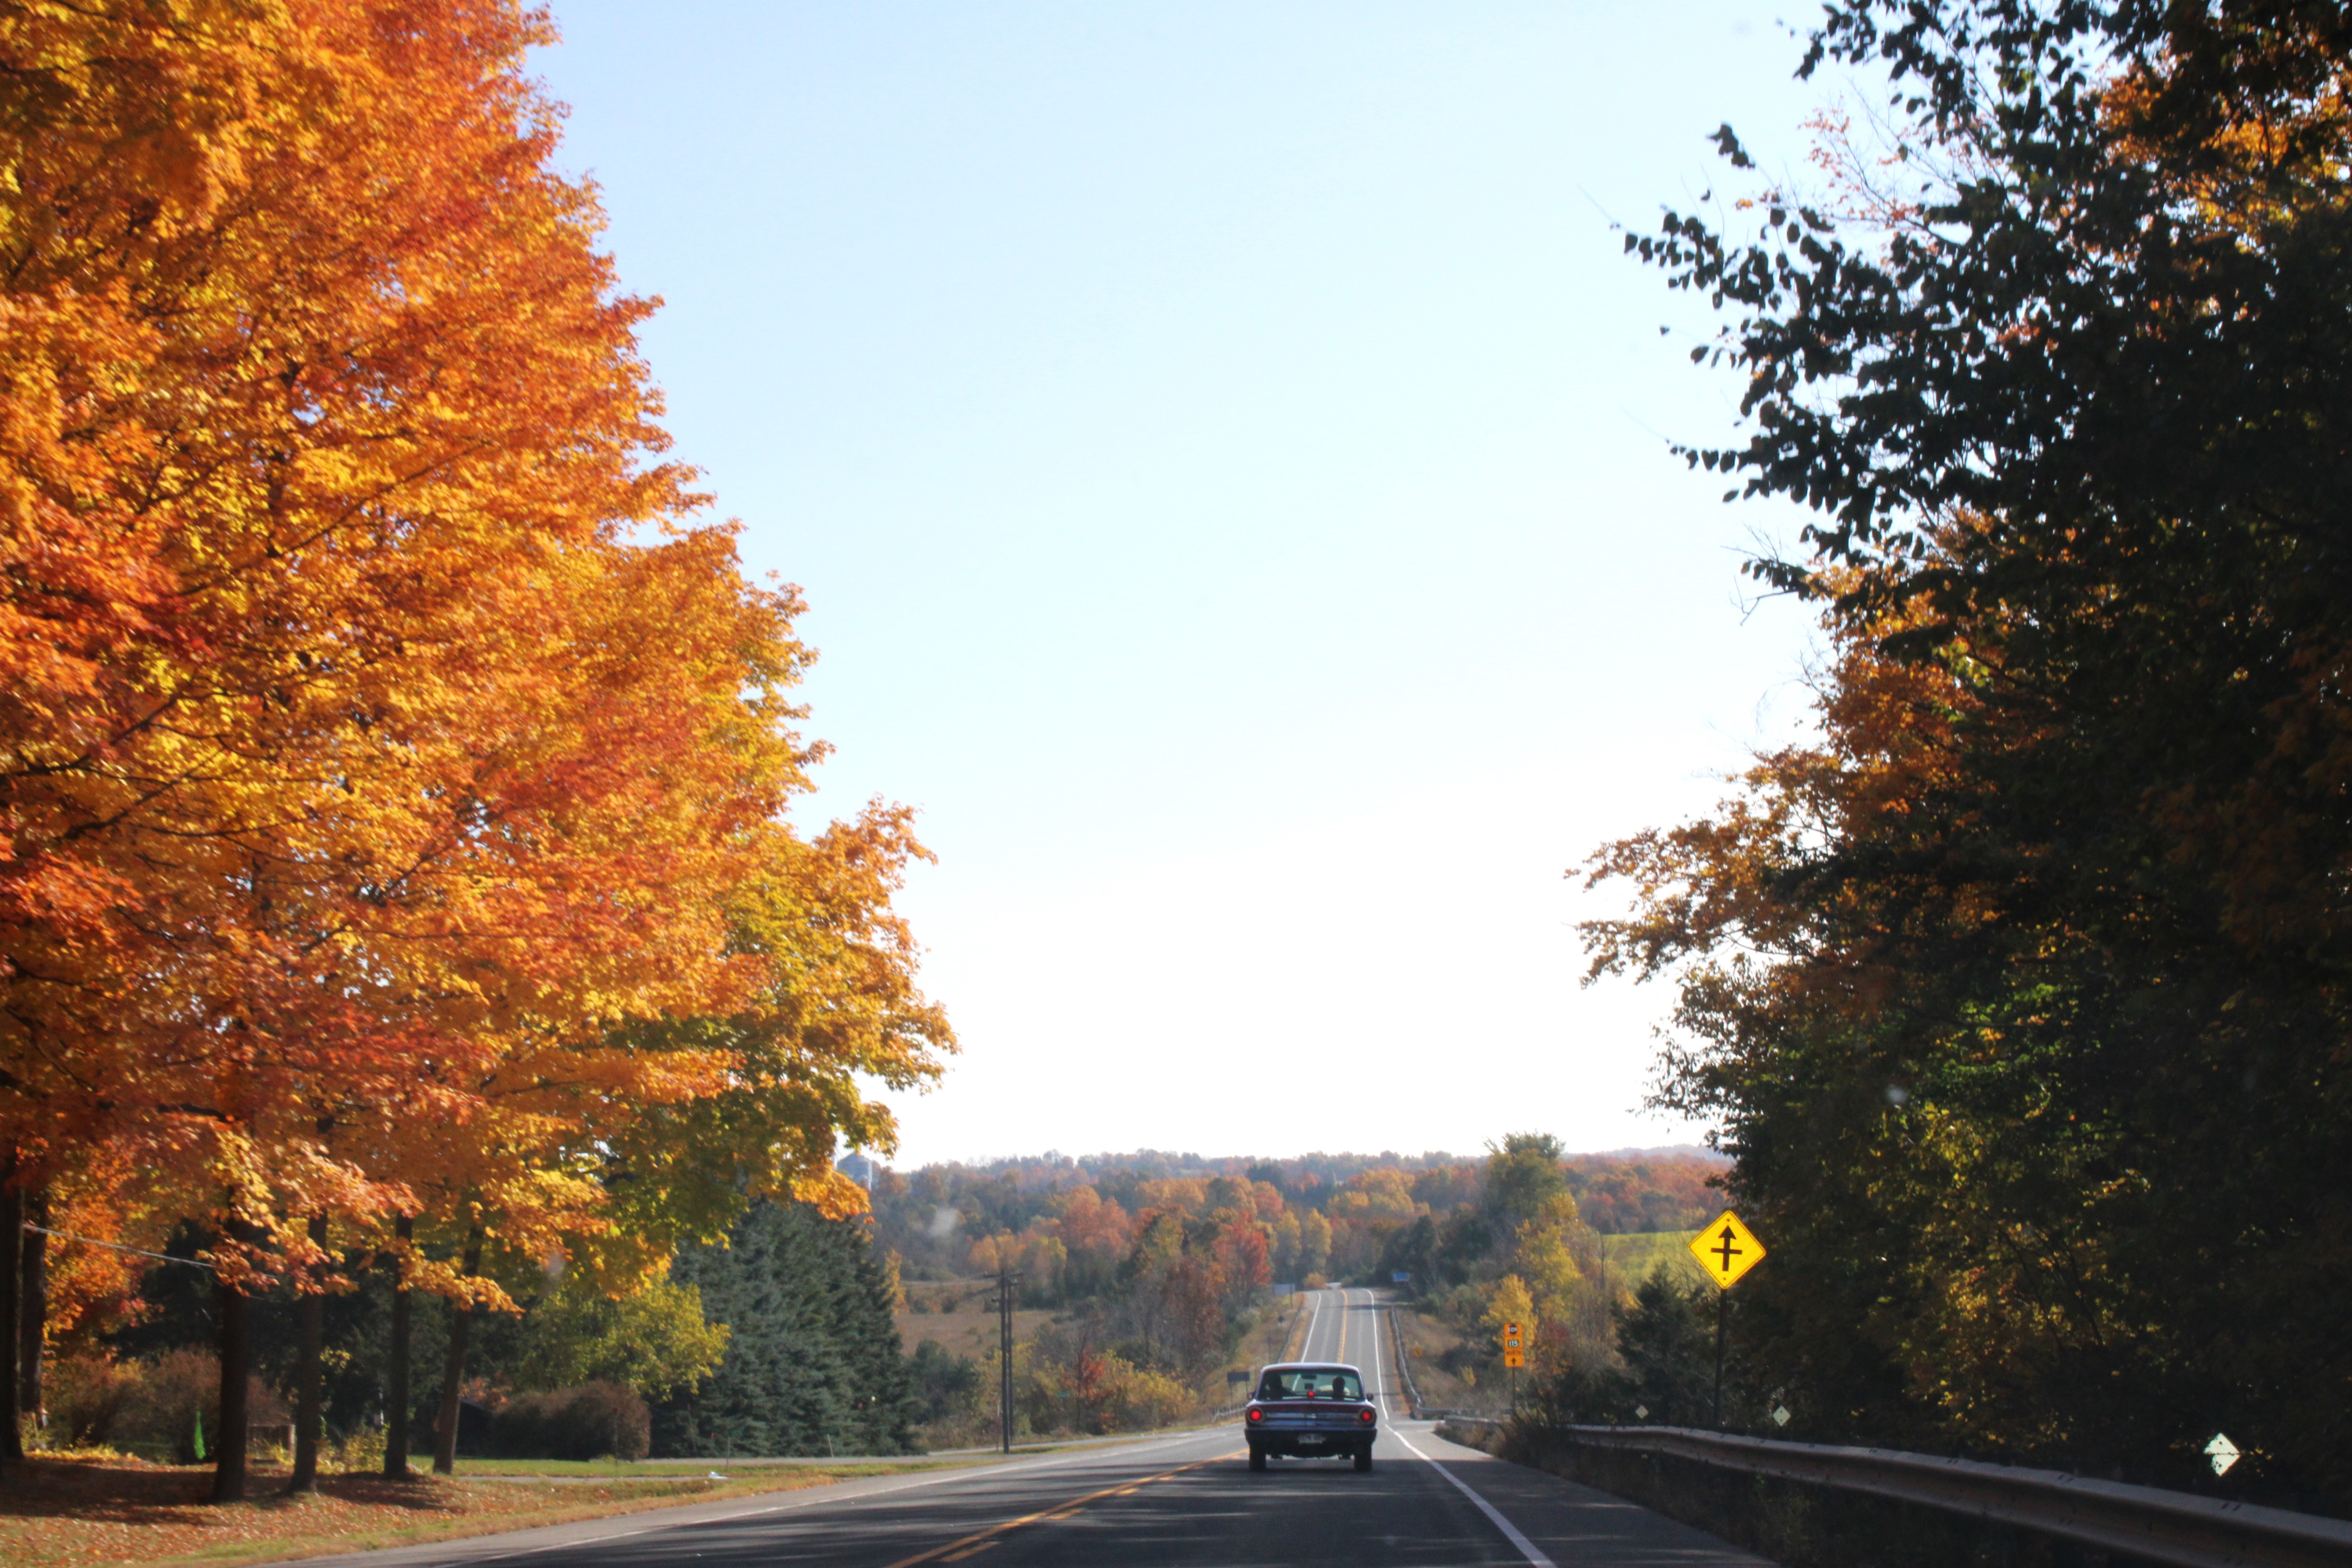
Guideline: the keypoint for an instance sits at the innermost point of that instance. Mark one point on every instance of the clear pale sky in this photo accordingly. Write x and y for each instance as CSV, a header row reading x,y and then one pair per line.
x,y
1224,448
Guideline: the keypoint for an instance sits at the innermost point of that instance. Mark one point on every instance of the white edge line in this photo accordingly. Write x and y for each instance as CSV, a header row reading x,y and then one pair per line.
x,y
1526,1548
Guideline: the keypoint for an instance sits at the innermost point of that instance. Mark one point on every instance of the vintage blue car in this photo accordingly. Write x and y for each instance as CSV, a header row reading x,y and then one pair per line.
x,y
1311,1410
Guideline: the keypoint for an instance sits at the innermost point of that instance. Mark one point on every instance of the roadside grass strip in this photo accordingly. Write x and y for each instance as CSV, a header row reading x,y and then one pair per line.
x,y
88,1513
981,1540
689,1469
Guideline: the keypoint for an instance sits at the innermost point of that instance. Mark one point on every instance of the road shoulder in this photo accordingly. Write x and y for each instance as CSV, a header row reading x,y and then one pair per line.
x,y
490,1547
1566,1523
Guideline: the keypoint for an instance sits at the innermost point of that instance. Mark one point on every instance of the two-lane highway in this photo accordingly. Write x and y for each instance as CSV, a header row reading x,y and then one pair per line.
x,y
1155,1503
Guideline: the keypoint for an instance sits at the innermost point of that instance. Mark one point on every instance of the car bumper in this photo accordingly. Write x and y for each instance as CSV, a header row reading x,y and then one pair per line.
x,y
1310,1443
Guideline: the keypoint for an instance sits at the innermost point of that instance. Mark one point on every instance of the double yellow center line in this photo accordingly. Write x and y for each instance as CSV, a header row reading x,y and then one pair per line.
x,y
973,1545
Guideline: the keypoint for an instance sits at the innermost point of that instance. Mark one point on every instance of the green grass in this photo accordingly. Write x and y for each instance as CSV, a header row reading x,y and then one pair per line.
x,y
1638,1257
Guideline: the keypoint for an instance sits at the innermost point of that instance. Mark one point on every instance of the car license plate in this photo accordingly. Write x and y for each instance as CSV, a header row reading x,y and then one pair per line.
x,y
1311,1441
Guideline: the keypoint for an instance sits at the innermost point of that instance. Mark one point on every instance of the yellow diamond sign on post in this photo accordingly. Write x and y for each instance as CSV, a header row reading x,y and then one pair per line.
x,y
1727,1249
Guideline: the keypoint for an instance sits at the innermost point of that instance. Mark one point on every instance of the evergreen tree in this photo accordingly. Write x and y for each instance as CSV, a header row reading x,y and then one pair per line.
x,y
1667,1338
812,1361
945,1384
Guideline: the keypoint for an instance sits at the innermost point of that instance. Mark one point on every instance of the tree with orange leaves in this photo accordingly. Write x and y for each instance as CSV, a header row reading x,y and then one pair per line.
x,y
1097,1233
383,738
671,1128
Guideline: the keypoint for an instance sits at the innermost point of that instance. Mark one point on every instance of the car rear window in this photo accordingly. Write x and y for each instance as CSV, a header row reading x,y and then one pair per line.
x,y
1309,1382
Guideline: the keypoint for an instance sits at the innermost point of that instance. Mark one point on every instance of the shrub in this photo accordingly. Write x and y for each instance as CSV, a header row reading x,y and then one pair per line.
x,y
1137,1399
588,1421
84,1397
151,1406
359,1452
167,1398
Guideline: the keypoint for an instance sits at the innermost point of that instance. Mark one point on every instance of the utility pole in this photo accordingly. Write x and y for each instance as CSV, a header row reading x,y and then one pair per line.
x,y
1005,1278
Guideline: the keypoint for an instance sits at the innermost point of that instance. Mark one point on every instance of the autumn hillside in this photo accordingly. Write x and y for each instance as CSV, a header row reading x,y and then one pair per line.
x,y
1131,1267
1340,1216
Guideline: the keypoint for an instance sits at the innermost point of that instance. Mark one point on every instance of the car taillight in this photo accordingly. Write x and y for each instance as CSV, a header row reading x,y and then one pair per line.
x,y
1367,1417
1257,1414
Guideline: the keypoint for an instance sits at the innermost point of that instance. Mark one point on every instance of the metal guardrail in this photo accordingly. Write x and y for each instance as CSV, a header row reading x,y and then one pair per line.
x,y
1403,1363
1298,1326
2143,1522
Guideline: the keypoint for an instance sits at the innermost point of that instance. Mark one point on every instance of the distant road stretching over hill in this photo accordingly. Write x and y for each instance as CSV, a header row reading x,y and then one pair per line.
x,y
1154,1504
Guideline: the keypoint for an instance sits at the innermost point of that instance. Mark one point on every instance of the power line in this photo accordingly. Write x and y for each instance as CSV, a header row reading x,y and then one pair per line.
x,y
116,1246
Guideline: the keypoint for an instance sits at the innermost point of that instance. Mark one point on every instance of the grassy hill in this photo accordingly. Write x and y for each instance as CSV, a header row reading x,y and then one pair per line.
x,y
1638,1256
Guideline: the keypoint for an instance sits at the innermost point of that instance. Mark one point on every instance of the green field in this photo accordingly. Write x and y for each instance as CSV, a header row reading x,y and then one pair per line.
x,y
1636,1258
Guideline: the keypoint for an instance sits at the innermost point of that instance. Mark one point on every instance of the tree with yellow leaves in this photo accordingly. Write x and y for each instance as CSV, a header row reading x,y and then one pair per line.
x,y
384,742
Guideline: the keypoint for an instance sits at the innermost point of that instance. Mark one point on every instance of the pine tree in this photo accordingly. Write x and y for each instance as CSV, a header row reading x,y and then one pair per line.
x,y
813,1363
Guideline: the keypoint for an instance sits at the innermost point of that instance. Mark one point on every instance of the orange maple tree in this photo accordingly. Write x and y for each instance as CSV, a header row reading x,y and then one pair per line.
x,y
383,733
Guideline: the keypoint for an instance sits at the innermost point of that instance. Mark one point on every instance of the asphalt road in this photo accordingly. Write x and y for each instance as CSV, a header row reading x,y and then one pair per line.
x,y
1156,1503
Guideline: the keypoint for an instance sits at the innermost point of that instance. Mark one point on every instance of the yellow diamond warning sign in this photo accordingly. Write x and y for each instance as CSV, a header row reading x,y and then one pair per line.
x,y
1727,1249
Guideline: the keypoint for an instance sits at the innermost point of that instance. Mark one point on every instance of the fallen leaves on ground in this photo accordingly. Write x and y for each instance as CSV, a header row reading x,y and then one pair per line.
x,y
70,1514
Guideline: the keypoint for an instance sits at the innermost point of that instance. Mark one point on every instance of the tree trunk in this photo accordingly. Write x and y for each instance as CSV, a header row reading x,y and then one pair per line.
x,y
453,1370
310,1317
12,1303
235,1371
32,1328
397,1402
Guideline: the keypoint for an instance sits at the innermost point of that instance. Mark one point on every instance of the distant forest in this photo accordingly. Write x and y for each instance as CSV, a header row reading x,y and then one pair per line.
x,y
1070,1221
1155,1265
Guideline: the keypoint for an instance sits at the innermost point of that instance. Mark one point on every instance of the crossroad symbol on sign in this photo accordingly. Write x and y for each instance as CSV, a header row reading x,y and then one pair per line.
x,y
1727,1249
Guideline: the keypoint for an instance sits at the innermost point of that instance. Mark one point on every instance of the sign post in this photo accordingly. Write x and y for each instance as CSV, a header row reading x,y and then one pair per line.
x,y
1515,1356
1727,1250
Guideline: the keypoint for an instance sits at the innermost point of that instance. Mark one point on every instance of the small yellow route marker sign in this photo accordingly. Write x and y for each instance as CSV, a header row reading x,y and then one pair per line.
x,y
1515,1346
1727,1249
